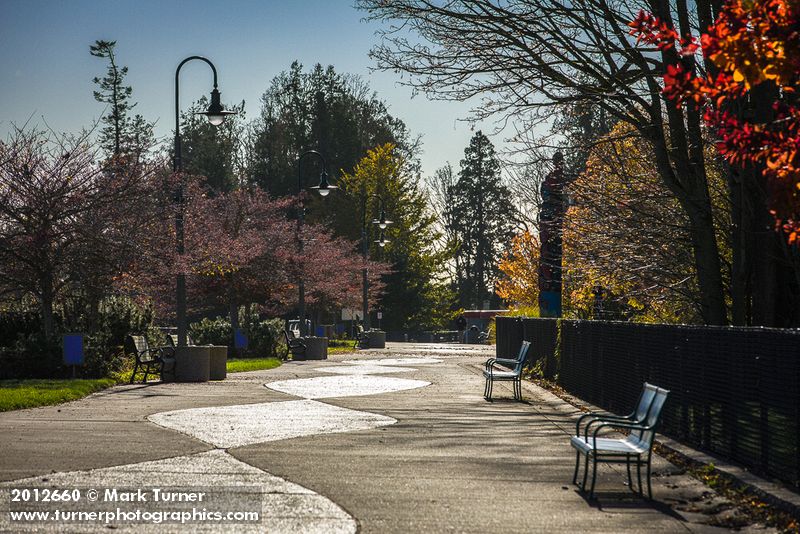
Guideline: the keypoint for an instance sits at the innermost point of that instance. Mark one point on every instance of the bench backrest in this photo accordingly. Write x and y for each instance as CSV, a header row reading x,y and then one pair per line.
x,y
645,438
136,343
645,400
292,341
138,347
522,357
172,339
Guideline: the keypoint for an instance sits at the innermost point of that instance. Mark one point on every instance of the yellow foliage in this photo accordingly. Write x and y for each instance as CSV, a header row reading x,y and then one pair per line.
x,y
519,265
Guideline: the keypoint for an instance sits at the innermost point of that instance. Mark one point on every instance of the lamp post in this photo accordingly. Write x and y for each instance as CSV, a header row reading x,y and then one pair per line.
x,y
381,222
216,115
323,189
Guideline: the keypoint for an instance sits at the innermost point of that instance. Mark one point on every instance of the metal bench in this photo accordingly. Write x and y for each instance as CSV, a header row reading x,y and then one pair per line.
x,y
491,372
637,446
150,359
294,345
362,338
172,341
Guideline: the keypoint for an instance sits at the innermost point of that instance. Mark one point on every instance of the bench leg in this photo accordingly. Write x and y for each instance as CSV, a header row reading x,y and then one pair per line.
x,y
594,477
628,468
585,472
577,465
649,486
639,473
133,375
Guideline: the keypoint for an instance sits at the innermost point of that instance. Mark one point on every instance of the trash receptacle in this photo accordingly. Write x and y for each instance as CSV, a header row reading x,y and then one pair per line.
x,y
316,348
377,339
472,334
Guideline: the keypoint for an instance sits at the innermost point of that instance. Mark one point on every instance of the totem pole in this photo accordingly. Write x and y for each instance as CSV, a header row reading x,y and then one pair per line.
x,y
551,220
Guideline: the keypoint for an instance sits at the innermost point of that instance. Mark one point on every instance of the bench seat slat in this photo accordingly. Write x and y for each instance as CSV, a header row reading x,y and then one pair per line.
x,y
501,375
608,445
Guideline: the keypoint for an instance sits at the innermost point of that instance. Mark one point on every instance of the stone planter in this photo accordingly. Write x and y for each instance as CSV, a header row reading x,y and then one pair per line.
x,y
192,364
218,362
316,348
377,339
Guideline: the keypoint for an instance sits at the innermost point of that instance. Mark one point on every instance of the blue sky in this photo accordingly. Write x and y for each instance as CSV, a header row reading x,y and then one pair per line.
x,y
47,70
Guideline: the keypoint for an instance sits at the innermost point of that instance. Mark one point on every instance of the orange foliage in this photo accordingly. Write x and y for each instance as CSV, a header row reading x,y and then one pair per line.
x,y
751,43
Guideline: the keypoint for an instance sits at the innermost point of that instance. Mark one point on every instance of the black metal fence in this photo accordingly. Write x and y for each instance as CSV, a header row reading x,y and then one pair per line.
x,y
734,391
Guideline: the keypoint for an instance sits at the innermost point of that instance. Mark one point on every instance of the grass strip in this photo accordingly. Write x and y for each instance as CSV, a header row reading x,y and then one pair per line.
x,y
239,365
30,393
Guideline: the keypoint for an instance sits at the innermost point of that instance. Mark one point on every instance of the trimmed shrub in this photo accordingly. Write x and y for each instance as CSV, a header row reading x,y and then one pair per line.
x,y
29,355
263,335
215,331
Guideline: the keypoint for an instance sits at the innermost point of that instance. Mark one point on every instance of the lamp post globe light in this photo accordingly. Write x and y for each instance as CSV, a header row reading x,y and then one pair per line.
x,y
323,189
216,115
381,222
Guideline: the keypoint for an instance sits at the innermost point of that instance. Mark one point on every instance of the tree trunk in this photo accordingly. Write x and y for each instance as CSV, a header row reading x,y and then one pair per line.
x,y
233,311
46,301
691,191
766,248
707,265
740,230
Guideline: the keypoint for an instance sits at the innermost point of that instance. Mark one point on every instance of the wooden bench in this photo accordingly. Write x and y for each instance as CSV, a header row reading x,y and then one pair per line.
x,y
491,373
637,446
294,345
150,359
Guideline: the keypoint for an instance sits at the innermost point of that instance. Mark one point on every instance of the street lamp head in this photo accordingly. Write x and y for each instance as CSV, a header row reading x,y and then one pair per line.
x,y
382,241
216,113
324,187
382,222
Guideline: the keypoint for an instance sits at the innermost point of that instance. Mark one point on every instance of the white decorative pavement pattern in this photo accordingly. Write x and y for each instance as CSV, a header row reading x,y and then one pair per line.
x,y
329,387
246,424
285,506
364,369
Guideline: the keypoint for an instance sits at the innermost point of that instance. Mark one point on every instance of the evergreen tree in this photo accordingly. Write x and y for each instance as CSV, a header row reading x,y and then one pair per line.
x,y
121,135
213,152
415,297
323,110
482,216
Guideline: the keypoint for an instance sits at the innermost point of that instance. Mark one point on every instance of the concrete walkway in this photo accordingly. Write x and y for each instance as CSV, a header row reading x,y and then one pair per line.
x,y
404,444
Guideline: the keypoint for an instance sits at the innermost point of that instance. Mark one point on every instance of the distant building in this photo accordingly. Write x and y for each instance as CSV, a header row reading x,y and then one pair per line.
x,y
481,318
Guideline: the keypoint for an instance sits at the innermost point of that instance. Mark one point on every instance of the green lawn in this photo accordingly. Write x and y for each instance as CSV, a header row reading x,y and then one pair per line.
x,y
17,394
238,365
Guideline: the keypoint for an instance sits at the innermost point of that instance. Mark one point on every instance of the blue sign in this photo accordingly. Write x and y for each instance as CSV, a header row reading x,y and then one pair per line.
x,y
550,304
240,339
73,349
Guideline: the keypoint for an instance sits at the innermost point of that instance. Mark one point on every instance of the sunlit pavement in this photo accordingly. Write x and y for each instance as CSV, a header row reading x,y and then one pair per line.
x,y
419,452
